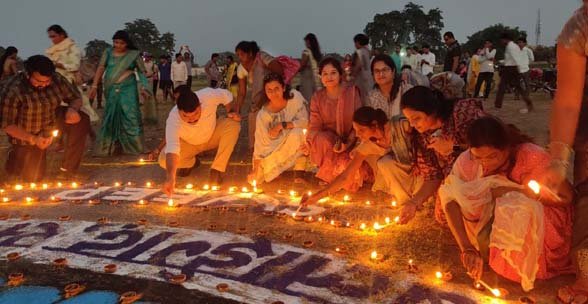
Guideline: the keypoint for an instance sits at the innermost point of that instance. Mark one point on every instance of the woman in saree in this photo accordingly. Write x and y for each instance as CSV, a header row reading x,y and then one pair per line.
x,y
122,129
330,135
279,133
486,191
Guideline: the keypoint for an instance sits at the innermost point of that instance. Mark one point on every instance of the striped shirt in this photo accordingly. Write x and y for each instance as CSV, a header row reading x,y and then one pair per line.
x,y
33,109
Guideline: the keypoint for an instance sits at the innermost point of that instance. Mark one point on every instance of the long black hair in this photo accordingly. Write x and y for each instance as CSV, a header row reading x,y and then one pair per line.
x,y
124,36
387,60
428,101
315,48
490,131
279,78
58,30
249,47
7,53
370,117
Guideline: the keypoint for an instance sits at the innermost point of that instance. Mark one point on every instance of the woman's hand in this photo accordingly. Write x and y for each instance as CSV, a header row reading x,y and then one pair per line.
x,y
153,155
473,263
169,186
311,199
408,212
275,131
441,145
234,116
339,146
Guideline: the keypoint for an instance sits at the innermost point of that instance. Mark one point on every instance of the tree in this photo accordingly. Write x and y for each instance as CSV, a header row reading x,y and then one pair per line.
x,y
407,27
147,38
95,48
492,33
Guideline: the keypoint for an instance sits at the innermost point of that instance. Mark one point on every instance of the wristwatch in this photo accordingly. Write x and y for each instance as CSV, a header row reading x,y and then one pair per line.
x,y
284,125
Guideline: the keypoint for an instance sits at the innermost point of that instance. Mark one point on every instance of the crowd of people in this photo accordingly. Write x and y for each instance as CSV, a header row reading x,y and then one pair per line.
x,y
383,120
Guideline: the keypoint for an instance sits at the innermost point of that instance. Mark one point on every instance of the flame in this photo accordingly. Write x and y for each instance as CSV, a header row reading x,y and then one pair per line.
x,y
55,133
346,198
368,203
142,160
141,202
170,202
244,190
33,185
59,185
374,255
5,199
215,188
206,187
438,275
410,262
189,186
304,131
45,186
387,220
496,292
534,185
377,226
394,204
254,183
148,184
117,184
74,185
293,193
362,226
397,219
18,187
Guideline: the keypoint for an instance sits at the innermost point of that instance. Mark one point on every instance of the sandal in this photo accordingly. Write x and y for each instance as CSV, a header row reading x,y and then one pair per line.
x,y
569,295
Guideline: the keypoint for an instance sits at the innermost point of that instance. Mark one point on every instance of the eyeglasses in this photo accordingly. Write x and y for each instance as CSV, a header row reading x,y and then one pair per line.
x,y
382,71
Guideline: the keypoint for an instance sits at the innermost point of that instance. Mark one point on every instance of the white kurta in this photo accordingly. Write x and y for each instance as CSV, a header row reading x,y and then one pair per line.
x,y
280,154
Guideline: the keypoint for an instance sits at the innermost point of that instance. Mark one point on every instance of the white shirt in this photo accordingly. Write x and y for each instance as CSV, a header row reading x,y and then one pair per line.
x,y
512,55
179,71
200,132
427,69
486,60
411,60
527,57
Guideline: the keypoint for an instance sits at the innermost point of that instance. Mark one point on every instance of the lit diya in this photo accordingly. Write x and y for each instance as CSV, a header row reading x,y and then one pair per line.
x,y
222,287
25,217
297,217
288,236
336,223
3,217
102,220
130,297
178,278
412,268
15,278
309,219
241,209
376,257
341,249
114,203
73,289
281,215
13,256
94,202
110,268
308,244
173,224
77,202
242,230
60,262
212,227
65,218
142,222
268,213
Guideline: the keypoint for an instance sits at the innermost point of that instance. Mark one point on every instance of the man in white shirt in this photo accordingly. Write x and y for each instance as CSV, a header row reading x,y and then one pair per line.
x,y
510,74
212,70
427,61
527,57
486,76
179,73
192,128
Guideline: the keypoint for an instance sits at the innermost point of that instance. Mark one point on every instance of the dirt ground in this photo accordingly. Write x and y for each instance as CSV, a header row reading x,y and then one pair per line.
x,y
422,240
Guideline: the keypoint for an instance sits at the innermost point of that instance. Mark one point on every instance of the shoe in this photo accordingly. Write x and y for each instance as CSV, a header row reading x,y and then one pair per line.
x,y
183,172
215,178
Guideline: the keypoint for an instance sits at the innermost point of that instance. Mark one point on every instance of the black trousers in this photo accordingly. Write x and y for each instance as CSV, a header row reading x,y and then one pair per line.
x,y
28,162
487,78
189,82
154,88
99,91
510,76
213,83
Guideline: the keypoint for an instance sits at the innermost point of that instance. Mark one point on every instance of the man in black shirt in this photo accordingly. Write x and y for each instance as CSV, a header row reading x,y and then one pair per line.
x,y
453,53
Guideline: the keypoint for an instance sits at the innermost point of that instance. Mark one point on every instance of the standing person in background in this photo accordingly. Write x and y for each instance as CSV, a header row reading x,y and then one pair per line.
x,y
451,62
486,76
473,73
255,65
188,62
361,65
124,77
179,73
426,61
510,74
152,73
411,59
527,57
165,82
8,62
347,66
231,79
310,80
212,70
397,58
